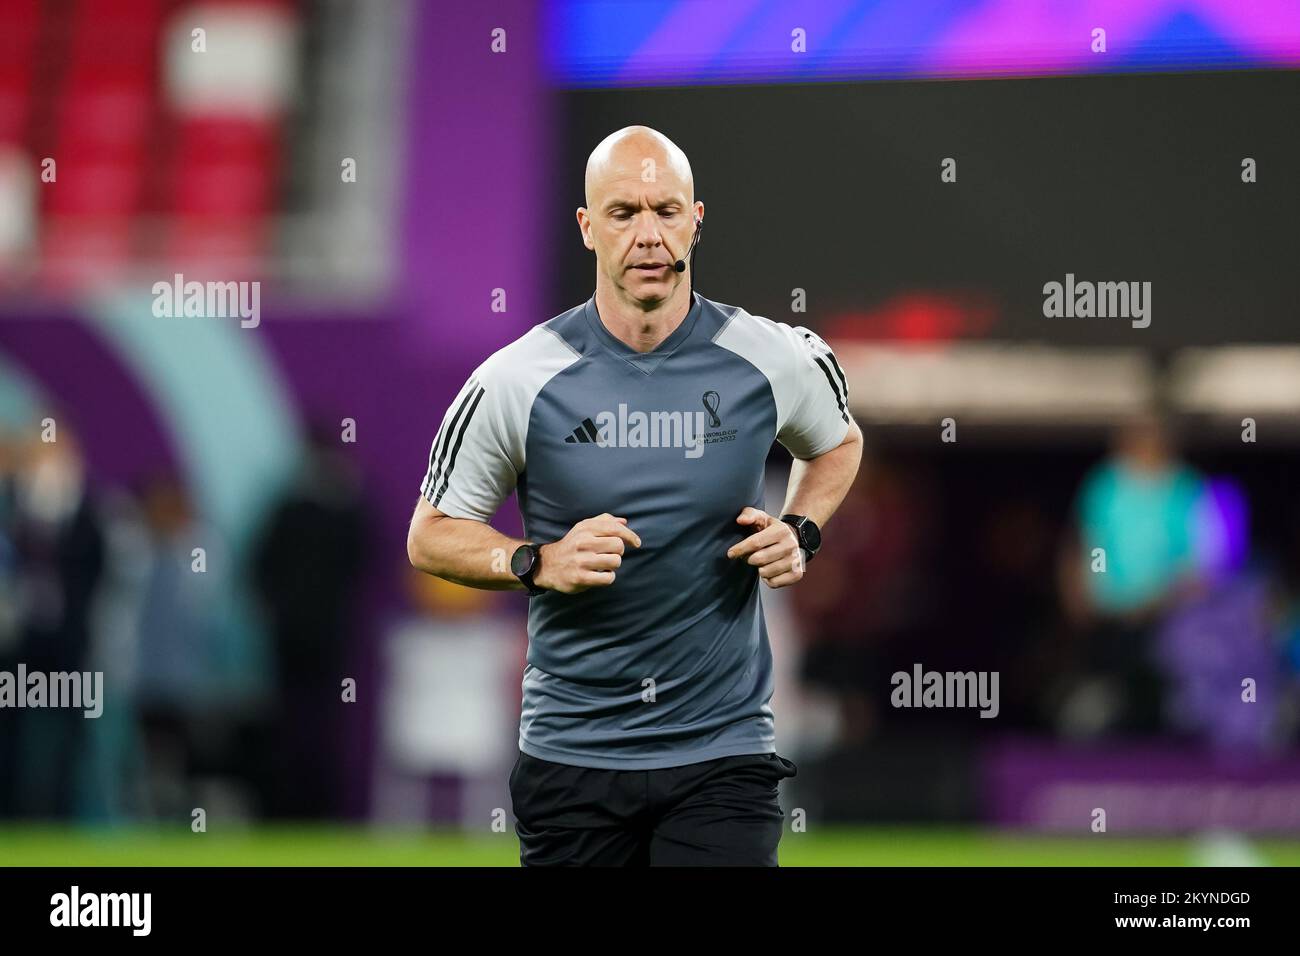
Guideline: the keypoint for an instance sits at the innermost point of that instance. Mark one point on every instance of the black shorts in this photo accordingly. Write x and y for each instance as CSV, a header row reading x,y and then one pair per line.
x,y
722,812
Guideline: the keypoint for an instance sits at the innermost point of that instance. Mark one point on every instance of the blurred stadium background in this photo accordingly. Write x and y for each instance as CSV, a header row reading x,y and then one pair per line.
x,y
133,149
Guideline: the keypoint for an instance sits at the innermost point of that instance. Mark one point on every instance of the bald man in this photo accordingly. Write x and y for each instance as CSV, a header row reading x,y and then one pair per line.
x,y
635,428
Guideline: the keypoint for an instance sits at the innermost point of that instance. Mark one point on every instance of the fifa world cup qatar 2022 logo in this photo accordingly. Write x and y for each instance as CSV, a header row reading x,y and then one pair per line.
x,y
711,401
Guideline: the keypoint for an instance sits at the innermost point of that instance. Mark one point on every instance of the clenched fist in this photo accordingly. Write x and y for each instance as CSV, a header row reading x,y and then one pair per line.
x,y
587,557
773,548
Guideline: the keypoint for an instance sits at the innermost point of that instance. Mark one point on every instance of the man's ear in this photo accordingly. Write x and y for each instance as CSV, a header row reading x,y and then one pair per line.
x,y
584,226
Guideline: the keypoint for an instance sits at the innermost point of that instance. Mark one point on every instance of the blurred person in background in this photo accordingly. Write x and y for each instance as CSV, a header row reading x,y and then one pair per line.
x,y
8,607
8,552
1224,646
449,710
306,569
1017,601
175,653
866,595
1133,551
56,549
1286,608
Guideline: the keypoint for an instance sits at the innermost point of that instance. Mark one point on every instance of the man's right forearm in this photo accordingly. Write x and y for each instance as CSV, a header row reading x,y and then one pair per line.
x,y
477,555
464,551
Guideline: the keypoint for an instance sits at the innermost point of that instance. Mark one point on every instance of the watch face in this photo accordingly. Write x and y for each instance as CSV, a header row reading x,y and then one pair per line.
x,y
521,562
811,535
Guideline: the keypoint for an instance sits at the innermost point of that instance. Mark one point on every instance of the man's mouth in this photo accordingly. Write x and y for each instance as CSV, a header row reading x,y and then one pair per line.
x,y
650,267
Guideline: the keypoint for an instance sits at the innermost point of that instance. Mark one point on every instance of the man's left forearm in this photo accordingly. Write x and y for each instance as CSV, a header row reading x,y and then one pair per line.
x,y
818,485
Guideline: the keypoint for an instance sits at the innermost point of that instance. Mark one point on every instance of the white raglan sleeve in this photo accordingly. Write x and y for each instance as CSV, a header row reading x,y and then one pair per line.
x,y
817,416
477,454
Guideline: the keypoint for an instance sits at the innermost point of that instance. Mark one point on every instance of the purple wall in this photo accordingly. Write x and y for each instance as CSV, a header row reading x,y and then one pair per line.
x,y
476,156
1144,789
87,384
476,161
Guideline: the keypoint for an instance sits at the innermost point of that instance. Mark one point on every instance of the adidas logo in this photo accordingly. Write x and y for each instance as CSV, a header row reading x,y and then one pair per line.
x,y
586,432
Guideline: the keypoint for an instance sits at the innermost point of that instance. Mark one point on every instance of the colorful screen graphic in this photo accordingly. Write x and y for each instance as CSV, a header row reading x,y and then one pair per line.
x,y
687,42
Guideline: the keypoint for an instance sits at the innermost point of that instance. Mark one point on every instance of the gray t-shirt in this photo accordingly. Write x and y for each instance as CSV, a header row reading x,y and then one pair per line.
x,y
669,665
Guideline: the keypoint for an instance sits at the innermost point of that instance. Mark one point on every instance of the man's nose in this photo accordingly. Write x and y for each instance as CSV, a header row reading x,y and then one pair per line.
x,y
647,230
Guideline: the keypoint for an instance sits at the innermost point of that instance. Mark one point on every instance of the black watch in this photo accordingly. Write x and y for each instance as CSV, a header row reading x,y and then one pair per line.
x,y
525,563
810,536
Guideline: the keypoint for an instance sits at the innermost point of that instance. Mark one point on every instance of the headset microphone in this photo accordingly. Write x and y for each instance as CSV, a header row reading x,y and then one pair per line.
x,y
680,264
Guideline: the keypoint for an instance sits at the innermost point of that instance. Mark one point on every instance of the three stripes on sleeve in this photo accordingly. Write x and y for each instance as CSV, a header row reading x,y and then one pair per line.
x,y
821,352
446,445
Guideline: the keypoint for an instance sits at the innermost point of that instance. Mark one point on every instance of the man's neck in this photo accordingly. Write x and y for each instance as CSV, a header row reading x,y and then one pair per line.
x,y
639,329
